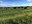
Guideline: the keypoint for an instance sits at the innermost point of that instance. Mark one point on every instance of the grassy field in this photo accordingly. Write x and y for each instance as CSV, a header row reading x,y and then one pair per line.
x,y
16,16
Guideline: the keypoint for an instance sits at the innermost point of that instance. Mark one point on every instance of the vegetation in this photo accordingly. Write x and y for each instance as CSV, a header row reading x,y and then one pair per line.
x,y
16,15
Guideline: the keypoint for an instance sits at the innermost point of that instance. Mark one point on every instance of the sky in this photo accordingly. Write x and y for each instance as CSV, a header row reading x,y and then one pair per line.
x,y
10,3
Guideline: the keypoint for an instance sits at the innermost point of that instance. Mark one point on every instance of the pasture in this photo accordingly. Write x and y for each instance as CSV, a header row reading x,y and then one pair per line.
x,y
18,15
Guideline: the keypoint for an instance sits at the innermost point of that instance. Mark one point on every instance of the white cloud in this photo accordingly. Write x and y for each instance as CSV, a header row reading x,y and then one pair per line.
x,y
1,1
30,4
29,0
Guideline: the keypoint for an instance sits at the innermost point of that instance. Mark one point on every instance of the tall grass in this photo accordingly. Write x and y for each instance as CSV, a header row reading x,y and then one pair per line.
x,y
16,16
18,20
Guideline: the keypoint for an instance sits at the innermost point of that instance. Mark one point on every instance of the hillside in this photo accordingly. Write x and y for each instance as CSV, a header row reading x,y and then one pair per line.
x,y
16,15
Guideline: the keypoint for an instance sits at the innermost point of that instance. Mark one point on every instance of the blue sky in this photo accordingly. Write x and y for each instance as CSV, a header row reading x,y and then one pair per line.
x,y
15,3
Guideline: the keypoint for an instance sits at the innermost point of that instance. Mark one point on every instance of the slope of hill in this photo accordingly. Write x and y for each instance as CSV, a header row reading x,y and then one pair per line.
x,y
16,15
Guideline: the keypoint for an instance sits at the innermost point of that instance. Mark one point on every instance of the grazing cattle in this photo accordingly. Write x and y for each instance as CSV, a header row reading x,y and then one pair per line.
x,y
21,7
14,7
25,7
8,7
18,7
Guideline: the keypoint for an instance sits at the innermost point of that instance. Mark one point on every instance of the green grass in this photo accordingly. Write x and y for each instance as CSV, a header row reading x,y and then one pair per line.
x,y
16,16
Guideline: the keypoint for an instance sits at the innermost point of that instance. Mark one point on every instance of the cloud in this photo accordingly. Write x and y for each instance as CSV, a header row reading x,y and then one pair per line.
x,y
29,0
13,5
30,4
1,1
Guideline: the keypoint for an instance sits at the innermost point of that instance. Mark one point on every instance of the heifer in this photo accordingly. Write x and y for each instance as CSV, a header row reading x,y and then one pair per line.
x,y
21,7
25,7
14,7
